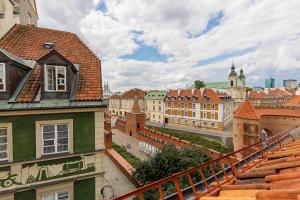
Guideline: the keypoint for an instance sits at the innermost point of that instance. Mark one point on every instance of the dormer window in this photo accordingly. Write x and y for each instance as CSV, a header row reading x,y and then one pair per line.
x,y
2,77
55,78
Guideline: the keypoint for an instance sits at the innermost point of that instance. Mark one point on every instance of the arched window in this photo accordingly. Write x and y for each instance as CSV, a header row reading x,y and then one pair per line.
x,y
231,83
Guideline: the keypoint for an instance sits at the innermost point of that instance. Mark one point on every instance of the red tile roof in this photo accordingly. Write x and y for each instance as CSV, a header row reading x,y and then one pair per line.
x,y
131,94
246,111
27,42
271,93
294,102
214,96
32,86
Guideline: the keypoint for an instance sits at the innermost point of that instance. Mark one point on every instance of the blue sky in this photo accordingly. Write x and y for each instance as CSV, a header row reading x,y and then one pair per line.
x,y
152,45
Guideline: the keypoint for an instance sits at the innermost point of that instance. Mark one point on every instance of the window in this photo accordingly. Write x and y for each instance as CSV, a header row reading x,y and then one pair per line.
x,y
2,77
55,138
194,114
56,196
194,105
61,78
153,108
204,106
185,113
159,108
3,144
55,78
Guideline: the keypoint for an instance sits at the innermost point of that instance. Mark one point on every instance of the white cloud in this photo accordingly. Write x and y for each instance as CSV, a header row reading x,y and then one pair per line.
x,y
270,26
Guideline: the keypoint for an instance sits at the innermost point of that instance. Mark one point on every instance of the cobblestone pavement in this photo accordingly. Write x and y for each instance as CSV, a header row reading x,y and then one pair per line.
x,y
130,143
115,179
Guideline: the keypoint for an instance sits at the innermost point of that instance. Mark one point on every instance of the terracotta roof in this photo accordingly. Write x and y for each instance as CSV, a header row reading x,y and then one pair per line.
x,y
31,87
27,42
277,112
246,111
131,94
277,176
214,96
136,106
116,96
186,93
294,102
271,93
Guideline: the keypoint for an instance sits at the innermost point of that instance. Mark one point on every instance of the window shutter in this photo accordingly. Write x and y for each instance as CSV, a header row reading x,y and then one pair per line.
x,y
216,115
208,106
201,114
208,115
216,106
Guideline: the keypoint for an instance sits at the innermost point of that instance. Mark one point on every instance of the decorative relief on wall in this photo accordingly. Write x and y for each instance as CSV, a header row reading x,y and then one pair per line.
x,y
21,175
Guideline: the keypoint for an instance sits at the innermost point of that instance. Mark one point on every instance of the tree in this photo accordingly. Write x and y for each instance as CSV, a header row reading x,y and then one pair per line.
x,y
199,84
167,162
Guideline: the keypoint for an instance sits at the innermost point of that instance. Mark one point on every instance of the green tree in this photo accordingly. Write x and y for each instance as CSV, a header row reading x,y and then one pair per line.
x,y
167,162
199,84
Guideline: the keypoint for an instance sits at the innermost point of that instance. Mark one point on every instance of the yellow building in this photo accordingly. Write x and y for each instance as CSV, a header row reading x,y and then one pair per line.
x,y
200,108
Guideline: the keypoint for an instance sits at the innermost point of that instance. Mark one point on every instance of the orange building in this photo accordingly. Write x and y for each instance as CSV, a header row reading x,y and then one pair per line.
x,y
201,108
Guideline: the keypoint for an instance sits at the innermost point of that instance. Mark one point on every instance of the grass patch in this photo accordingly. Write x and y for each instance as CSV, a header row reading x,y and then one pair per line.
x,y
194,138
133,160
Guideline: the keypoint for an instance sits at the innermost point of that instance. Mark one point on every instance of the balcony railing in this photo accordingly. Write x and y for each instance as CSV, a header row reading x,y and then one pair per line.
x,y
208,177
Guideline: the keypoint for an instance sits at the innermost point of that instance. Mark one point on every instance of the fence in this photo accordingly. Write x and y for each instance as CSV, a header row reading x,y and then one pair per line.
x,y
207,178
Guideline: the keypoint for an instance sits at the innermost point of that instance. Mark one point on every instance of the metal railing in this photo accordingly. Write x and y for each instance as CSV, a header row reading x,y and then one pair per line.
x,y
208,177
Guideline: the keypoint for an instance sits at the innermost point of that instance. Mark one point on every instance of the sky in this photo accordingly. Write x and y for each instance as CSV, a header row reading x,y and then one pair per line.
x,y
165,44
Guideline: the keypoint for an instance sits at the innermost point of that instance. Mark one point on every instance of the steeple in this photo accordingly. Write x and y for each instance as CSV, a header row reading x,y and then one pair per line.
x,y
241,74
136,106
232,72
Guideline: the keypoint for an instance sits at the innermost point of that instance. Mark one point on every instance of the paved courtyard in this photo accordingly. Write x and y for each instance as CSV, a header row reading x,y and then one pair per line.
x,y
115,180
130,143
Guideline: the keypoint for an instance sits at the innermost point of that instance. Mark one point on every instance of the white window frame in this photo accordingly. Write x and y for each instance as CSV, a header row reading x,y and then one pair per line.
x,y
6,150
9,144
55,78
65,77
56,195
4,76
55,138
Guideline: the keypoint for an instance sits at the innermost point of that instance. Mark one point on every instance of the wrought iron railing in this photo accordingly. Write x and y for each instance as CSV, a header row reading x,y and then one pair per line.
x,y
208,177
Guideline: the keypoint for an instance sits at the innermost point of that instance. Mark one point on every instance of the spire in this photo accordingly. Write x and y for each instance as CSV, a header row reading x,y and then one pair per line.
x,y
241,74
232,72
136,106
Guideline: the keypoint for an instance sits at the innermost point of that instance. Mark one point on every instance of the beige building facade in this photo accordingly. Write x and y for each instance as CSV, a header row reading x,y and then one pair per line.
x,y
17,12
154,106
119,104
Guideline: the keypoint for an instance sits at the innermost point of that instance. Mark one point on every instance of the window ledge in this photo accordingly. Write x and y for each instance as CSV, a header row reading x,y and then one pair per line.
x,y
55,155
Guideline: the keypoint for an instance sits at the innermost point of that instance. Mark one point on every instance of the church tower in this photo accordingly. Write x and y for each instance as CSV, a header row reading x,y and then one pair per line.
x,y
232,77
242,79
237,85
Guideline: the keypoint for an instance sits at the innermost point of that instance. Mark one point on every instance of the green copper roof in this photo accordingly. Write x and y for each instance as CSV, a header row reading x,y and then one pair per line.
x,y
217,85
156,95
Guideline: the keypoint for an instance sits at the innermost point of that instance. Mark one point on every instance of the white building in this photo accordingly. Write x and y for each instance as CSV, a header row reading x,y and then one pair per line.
x,y
17,12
